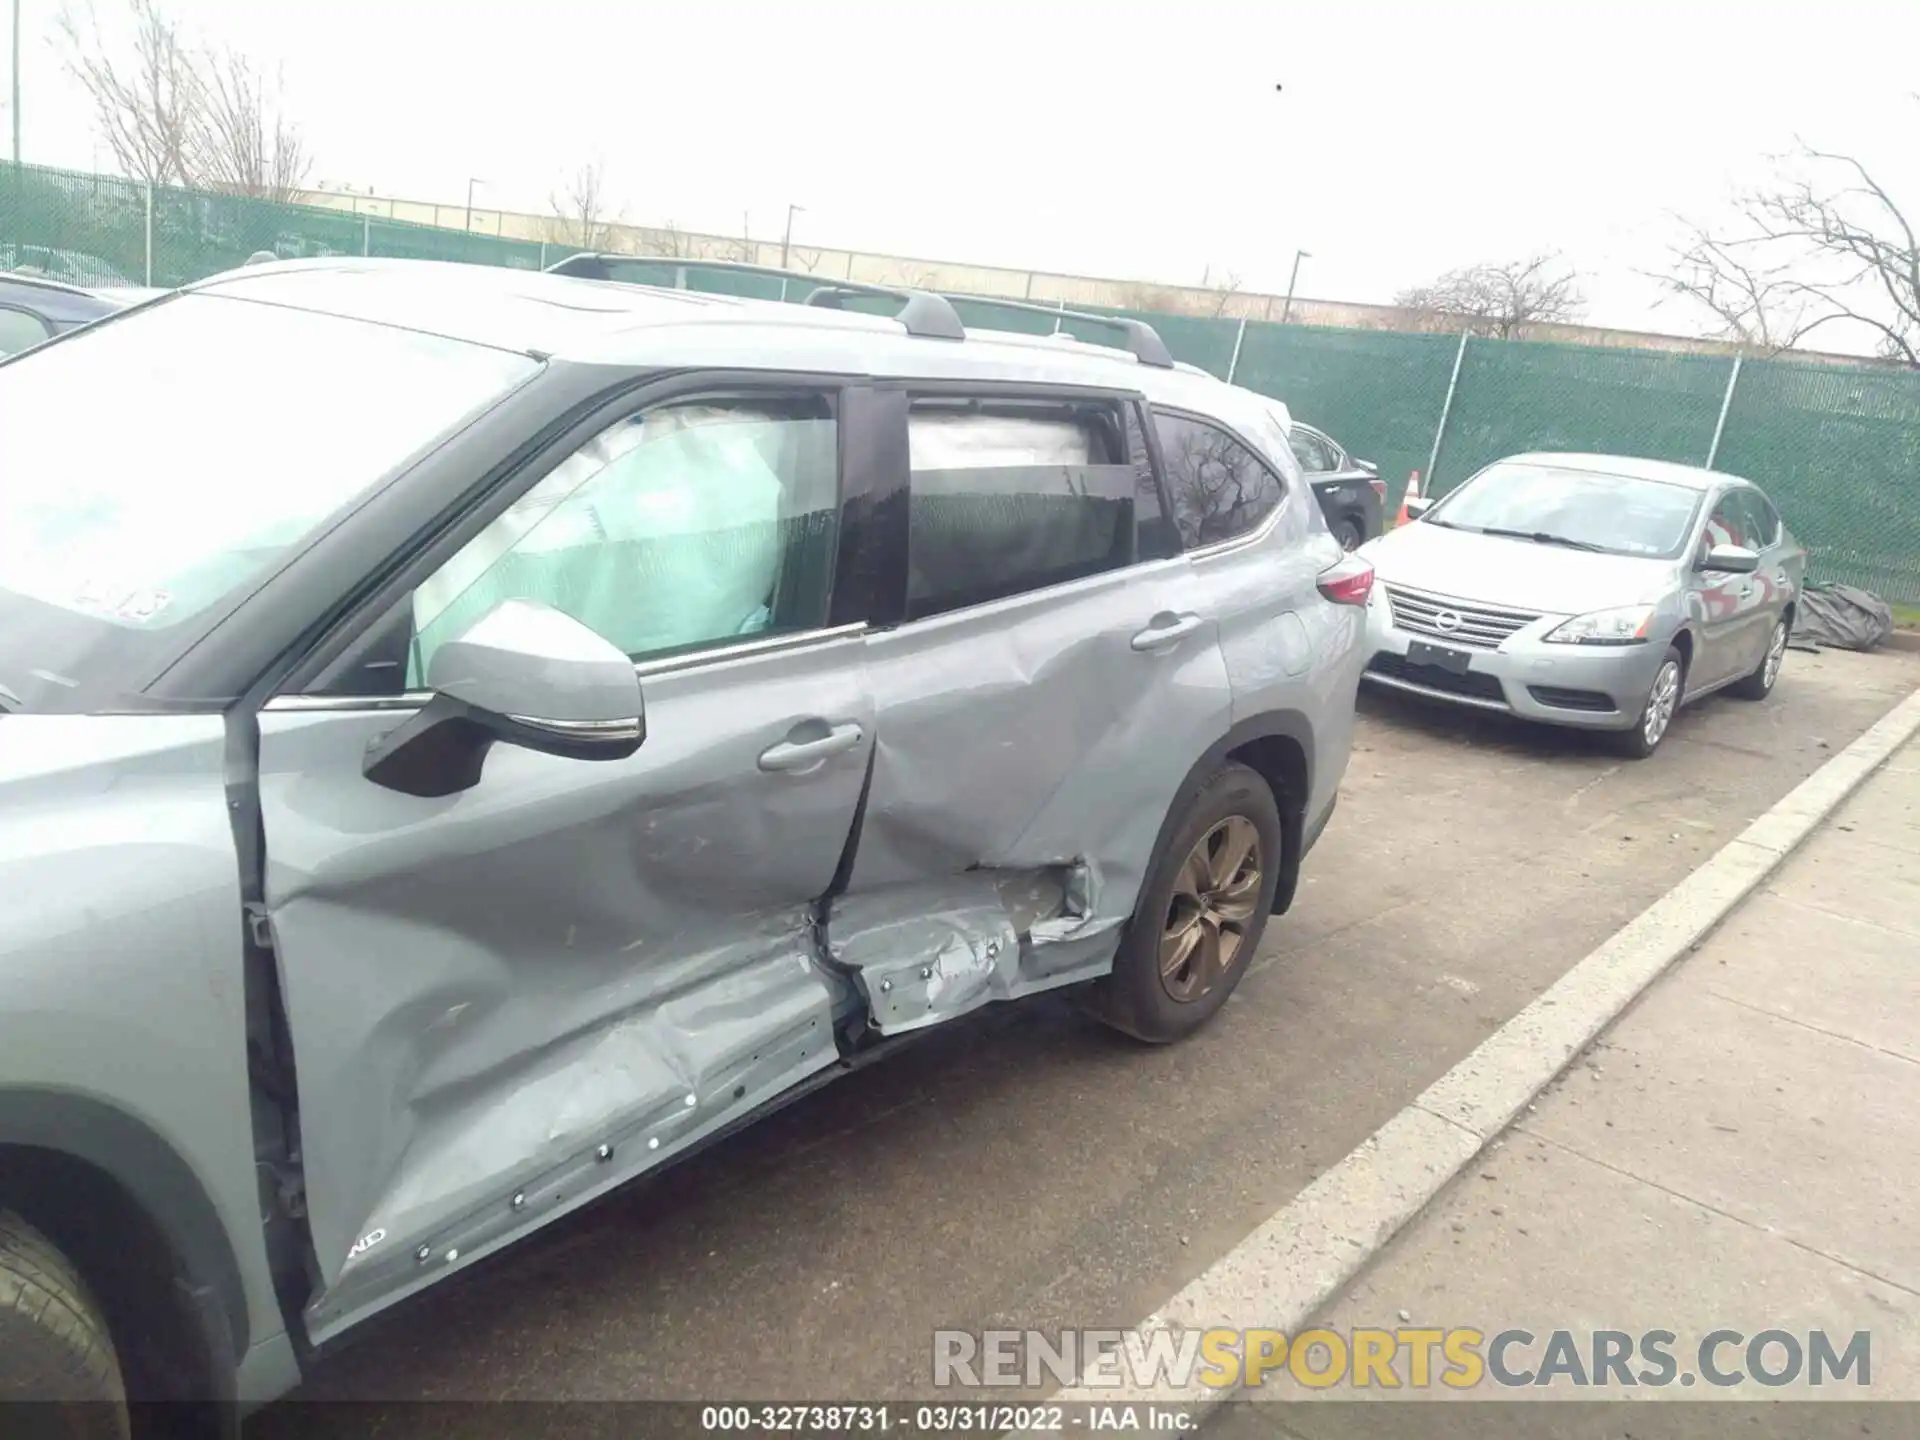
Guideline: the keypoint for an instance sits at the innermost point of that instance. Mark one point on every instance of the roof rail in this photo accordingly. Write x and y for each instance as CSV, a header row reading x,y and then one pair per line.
x,y
1142,340
925,315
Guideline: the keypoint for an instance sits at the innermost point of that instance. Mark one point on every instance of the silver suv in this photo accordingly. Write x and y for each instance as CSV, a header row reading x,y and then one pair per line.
x,y
473,737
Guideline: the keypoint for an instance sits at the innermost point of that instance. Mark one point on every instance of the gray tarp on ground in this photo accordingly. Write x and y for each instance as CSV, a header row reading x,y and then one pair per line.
x,y
1840,617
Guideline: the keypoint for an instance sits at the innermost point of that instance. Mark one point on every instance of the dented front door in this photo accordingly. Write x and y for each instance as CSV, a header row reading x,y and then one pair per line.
x,y
485,990
507,1000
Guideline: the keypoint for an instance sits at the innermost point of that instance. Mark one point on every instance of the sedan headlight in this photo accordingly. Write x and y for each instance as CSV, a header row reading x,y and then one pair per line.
x,y
1626,625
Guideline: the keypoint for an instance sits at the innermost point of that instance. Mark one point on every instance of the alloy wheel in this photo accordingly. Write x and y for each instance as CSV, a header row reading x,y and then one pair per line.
x,y
1215,895
1661,703
1776,653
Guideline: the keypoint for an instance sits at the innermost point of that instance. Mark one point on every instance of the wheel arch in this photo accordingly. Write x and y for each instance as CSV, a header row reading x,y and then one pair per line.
x,y
1278,746
137,1222
1687,643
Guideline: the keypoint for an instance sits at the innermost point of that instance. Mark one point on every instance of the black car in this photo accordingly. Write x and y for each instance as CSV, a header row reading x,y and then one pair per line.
x,y
1352,495
32,309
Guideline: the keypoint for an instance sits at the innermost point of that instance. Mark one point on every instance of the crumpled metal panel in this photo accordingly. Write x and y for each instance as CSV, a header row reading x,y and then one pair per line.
x,y
484,989
927,952
1029,735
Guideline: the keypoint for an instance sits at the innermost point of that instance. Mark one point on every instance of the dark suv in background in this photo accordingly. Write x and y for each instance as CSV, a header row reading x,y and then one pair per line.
x,y
1352,495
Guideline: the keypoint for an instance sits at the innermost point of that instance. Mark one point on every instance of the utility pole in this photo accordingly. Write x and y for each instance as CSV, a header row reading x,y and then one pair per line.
x,y
471,182
16,81
786,241
1287,309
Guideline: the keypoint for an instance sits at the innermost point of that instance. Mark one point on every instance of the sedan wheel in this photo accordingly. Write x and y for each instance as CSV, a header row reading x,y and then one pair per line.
x,y
1663,700
1759,684
1661,704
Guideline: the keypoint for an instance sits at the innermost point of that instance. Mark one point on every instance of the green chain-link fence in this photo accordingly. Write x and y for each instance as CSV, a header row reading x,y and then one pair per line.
x,y
1838,446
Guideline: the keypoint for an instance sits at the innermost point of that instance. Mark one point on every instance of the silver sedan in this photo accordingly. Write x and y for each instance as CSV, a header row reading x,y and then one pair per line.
x,y
1597,591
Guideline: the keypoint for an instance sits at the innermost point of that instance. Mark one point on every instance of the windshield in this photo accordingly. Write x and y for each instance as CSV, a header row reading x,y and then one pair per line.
x,y
1617,514
152,466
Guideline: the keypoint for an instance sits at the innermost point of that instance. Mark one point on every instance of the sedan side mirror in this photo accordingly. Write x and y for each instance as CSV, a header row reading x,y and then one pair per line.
x,y
524,674
1731,560
1418,505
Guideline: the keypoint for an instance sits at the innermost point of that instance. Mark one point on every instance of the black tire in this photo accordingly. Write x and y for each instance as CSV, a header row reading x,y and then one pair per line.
x,y
54,1347
1634,743
1349,532
1760,683
1134,998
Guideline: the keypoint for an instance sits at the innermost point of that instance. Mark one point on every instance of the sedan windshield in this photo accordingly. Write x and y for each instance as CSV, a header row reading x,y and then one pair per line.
x,y
1577,509
153,466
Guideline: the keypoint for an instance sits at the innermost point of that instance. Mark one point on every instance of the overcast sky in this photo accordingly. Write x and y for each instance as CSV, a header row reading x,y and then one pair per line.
x,y
1140,140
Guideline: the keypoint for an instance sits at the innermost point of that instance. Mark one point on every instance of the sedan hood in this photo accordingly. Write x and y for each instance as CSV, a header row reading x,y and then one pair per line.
x,y
1515,574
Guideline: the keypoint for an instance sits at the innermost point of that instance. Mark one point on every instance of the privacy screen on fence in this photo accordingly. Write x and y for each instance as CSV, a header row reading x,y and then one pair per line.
x,y
1837,446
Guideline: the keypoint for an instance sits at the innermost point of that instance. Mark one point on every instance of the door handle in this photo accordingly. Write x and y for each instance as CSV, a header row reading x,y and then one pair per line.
x,y
1165,630
804,754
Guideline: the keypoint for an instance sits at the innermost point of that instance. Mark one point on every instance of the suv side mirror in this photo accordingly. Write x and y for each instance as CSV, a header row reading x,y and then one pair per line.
x,y
524,674
1418,505
1731,560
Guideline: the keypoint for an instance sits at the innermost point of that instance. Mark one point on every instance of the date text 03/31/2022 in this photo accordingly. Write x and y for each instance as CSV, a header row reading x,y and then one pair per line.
x,y
941,1419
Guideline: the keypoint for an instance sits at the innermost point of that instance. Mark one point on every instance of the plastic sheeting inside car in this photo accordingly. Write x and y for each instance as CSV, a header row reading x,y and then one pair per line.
x,y
1004,503
1840,617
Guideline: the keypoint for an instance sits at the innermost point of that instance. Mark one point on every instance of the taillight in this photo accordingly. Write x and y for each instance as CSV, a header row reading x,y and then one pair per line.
x,y
1348,583
1379,488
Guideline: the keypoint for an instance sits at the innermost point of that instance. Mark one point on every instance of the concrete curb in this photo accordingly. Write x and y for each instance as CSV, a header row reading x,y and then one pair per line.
x,y
1307,1252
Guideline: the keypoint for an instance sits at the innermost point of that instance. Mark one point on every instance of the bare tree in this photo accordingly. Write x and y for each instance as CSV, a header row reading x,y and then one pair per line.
x,y
1213,479
1825,242
669,242
246,143
1754,300
1150,297
1503,301
1221,291
580,210
144,94
174,113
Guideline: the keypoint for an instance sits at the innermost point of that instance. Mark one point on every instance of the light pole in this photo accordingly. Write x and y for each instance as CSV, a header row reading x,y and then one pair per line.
x,y
786,240
1287,309
16,81
471,182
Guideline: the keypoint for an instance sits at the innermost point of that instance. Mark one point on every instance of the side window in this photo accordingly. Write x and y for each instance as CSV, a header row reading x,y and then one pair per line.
x,y
1219,488
1727,525
1158,539
20,331
1763,521
681,528
1311,451
1013,496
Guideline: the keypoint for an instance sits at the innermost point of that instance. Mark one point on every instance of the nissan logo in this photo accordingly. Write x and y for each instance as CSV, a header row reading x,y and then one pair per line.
x,y
1448,620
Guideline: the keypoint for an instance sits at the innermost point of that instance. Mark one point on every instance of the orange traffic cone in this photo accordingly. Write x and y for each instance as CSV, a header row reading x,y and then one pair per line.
x,y
1412,493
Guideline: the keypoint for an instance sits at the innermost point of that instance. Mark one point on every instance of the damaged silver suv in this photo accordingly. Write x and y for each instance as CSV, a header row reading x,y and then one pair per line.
x,y
471,737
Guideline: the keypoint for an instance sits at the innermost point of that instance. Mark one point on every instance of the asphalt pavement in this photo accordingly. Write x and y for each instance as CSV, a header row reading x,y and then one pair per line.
x,y
1028,1169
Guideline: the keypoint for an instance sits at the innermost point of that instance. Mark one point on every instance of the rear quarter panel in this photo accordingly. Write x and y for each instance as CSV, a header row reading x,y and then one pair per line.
x,y
1287,648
